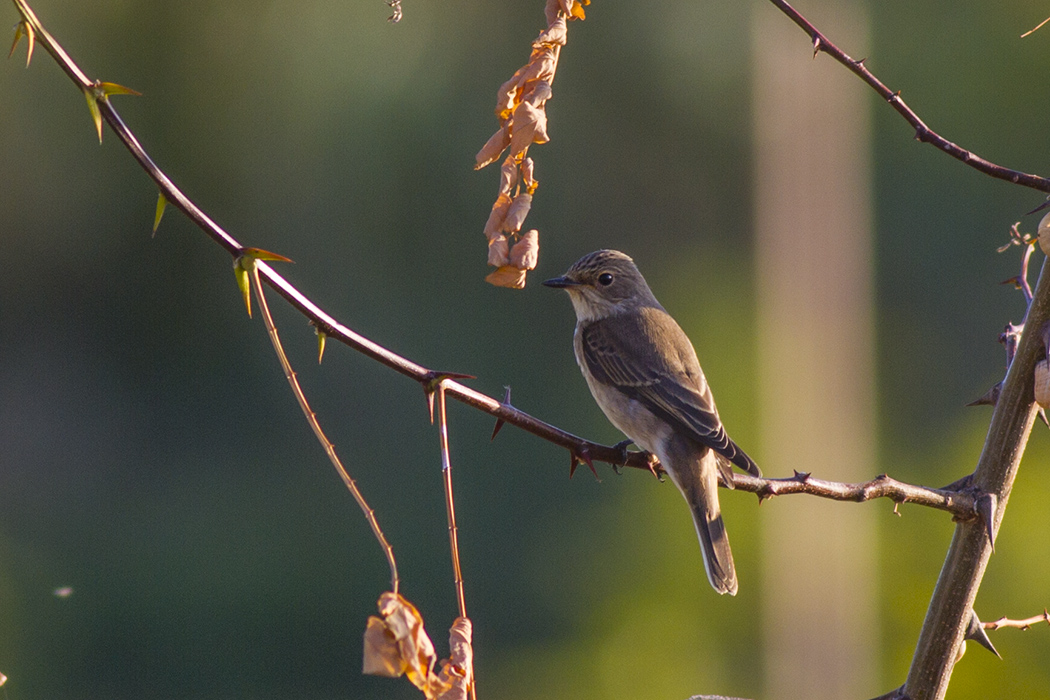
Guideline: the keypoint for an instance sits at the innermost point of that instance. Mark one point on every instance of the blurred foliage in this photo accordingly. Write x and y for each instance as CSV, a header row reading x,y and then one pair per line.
x,y
155,461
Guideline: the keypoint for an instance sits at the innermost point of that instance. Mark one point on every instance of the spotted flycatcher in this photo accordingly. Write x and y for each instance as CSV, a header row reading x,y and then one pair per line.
x,y
643,372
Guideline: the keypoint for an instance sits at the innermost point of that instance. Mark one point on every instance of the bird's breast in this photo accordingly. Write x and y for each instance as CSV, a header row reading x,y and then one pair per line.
x,y
630,416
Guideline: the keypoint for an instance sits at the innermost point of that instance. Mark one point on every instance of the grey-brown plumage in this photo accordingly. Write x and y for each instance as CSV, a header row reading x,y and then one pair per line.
x,y
643,372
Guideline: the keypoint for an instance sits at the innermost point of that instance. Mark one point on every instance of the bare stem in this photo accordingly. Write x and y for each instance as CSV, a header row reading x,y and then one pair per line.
x,y
922,132
450,510
311,418
1018,624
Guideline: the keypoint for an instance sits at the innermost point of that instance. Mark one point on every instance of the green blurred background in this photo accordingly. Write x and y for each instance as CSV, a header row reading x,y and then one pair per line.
x,y
154,460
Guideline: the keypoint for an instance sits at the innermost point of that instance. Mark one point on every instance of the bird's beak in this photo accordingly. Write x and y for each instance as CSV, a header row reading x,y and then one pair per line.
x,y
561,282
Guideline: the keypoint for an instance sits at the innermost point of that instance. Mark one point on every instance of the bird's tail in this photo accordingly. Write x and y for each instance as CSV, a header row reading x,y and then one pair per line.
x,y
700,488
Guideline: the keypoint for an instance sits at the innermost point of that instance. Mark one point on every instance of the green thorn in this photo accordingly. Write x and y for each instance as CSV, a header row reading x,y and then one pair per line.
x,y
96,114
321,338
162,202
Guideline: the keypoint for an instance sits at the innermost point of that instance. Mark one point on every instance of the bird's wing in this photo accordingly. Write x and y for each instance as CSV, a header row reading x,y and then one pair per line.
x,y
620,352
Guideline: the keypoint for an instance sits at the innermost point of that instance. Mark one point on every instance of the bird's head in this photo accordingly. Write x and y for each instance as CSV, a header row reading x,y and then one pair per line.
x,y
604,283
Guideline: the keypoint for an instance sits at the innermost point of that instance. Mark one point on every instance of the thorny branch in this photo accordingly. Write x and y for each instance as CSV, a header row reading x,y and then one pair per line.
x,y
1018,624
959,504
922,132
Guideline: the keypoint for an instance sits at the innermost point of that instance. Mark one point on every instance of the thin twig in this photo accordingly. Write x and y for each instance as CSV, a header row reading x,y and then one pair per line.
x,y
1018,624
922,132
450,510
311,418
958,505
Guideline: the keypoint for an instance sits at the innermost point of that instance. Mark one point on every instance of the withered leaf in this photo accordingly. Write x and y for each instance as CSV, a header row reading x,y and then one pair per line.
x,y
519,209
528,126
539,92
497,215
458,670
382,656
556,33
526,175
542,65
498,251
507,95
492,148
507,276
411,651
526,252
508,176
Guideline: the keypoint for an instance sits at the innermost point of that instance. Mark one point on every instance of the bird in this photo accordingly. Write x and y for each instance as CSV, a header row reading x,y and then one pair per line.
x,y
643,372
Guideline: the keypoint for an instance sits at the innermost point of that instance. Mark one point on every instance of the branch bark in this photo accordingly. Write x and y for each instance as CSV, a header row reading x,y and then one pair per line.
x,y
922,132
960,578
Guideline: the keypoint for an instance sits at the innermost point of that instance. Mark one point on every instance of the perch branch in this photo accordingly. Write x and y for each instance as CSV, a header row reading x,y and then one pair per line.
x,y
959,503
923,133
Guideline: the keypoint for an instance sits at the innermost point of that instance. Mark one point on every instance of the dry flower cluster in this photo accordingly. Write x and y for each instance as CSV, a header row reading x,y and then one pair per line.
x,y
397,644
520,107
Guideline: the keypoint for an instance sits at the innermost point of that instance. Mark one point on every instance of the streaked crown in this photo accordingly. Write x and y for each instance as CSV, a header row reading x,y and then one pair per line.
x,y
604,282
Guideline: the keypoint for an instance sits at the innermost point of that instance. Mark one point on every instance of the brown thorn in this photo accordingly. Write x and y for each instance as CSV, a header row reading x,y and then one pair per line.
x,y
573,463
802,477
988,398
584,454
975,631
896,509
499,421
985,507
430,382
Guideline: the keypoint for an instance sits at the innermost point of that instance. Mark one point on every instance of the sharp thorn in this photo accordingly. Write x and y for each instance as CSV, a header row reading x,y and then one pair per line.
x,y
975,631
499,421
985,507
585,455
988,398
573,463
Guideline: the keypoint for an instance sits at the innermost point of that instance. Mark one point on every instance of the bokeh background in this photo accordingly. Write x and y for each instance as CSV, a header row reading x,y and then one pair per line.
x,y
154,460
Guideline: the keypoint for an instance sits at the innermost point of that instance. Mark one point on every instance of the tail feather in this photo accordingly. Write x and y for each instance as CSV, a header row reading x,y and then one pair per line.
x,y
696,476
718,557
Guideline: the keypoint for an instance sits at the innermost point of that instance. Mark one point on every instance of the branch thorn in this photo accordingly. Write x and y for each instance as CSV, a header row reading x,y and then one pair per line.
x,y
499,421
975,631
582,455
985,507
432,380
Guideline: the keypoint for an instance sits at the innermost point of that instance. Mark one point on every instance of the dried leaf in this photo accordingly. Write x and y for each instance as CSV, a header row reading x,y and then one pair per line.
x,y
498,251
566,6
508,176
551,10
382,656
543,64
526,252
517,212
497,215
539,92
507,95
577,11
507,276
528,126
415,651
492,148
556,33
458,670
526,176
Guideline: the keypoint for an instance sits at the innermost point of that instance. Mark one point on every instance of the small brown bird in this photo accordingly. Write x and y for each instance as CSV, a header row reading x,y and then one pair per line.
x,y
643,372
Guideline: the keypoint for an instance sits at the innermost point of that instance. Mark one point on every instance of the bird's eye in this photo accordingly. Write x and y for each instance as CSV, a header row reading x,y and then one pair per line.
x,y
605,279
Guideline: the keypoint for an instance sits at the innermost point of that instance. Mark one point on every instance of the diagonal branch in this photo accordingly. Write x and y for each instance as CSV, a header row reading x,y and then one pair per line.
x,y
959,503
950,607
922,132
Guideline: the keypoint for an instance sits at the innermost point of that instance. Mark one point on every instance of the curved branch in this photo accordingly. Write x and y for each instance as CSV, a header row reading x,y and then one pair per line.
x,y
960,503
922,132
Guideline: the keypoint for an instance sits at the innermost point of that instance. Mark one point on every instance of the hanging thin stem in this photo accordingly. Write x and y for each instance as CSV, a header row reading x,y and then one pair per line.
x,y
311,418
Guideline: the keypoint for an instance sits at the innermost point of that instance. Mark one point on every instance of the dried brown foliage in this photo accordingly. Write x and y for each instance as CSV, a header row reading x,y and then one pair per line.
x,y
520,108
